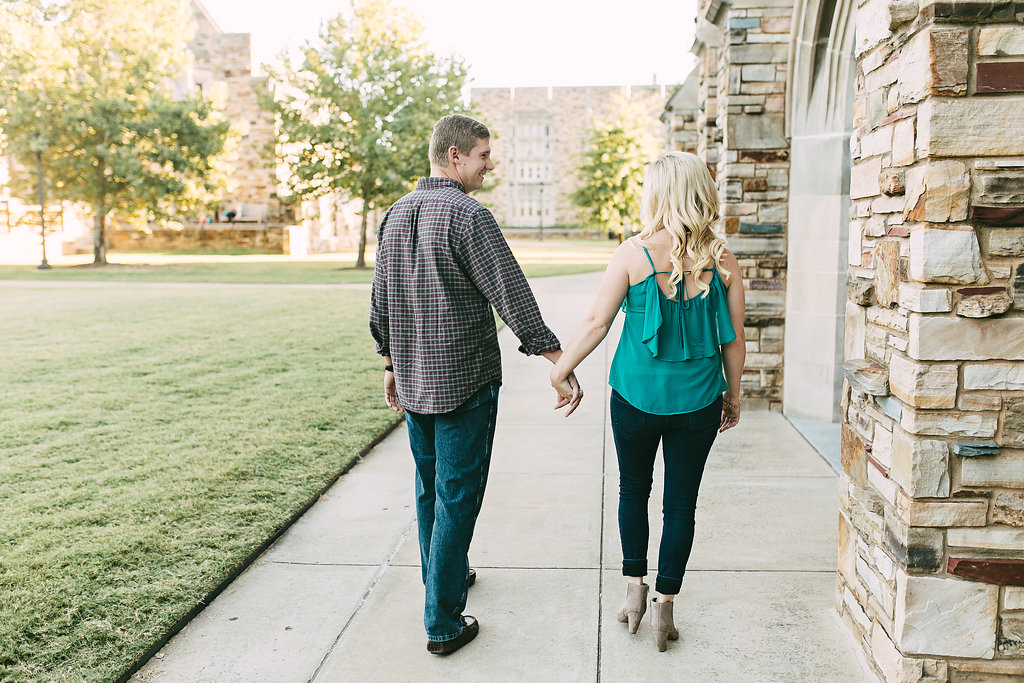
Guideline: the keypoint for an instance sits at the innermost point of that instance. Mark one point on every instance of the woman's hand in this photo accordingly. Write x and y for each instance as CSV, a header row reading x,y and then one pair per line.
x,y
568,391
730,413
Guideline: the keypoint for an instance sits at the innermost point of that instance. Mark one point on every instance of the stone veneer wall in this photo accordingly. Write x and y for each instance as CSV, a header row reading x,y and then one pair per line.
x,y
222,66
680,116
570,112
931,530
744,46
223,236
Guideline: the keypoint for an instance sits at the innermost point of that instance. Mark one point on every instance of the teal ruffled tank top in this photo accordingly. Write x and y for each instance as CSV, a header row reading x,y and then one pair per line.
x,y
669,358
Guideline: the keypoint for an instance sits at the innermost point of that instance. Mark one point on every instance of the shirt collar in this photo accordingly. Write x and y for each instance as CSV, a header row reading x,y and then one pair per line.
x,y
435,183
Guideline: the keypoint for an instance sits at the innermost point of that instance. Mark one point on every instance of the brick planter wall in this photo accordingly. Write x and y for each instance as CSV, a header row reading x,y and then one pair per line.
x,y
273,238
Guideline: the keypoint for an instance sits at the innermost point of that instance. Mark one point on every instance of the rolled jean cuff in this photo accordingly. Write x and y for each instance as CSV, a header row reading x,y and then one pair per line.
x,y
667,586
444,639
634,567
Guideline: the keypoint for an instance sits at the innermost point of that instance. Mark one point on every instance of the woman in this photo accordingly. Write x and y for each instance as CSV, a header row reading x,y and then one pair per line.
x,y
683,297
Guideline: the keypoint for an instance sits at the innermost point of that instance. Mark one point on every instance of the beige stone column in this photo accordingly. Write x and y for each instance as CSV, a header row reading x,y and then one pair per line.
x,y
931,577
746,101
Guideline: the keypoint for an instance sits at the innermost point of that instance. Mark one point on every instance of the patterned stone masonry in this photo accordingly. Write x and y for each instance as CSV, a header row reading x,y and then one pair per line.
x,y
273,238
745,49
706,47
222,67
680,116
931,530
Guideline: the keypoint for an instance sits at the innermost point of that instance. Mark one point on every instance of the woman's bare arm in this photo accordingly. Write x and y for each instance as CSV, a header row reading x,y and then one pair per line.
x,y
734,353
594,327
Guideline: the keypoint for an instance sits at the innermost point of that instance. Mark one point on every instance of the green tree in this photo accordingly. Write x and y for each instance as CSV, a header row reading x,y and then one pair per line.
x,y
611,171
355,114
89,84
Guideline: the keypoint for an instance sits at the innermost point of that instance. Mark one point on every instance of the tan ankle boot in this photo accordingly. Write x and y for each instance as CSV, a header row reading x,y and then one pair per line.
x,y
661,620
635,605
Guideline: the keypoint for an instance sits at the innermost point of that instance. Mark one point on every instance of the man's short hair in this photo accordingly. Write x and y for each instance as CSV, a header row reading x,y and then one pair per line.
x,y
456,130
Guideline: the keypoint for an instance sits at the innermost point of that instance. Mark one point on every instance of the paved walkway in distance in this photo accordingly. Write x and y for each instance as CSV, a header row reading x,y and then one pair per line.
x,y
338,597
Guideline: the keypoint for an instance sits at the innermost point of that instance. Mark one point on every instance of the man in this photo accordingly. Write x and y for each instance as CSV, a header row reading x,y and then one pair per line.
x,y
441,264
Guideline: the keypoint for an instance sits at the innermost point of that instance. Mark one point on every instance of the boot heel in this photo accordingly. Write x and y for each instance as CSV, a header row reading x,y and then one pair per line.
x,y
663,624
635,606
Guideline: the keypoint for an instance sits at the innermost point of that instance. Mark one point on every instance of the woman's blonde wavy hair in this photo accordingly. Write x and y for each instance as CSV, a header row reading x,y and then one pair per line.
x,y
680,196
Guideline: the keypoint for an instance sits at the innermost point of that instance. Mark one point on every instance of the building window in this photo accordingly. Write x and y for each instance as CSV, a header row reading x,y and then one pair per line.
x,y
825,19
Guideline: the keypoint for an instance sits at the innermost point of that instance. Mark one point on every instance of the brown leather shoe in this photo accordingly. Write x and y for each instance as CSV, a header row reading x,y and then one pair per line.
x,y
470,627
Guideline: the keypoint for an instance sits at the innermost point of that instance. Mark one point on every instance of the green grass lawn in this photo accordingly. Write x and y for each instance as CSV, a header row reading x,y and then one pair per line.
x,y
538,259
300,272
270,272
150,440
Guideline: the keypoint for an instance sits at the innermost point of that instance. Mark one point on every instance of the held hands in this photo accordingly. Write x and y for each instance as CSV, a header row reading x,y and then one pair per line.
x,y
730,413
390,393
567,387
568,391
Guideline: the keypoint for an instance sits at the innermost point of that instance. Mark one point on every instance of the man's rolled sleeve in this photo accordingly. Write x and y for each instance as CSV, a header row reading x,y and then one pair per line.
x,y
486,257
379,318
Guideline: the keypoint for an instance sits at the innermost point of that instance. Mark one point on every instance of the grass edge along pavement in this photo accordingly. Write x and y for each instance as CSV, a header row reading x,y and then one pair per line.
x,y
152,439
197,609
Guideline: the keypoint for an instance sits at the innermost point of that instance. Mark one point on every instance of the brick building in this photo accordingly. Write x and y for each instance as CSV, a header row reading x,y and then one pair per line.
x,y
539,135
221,68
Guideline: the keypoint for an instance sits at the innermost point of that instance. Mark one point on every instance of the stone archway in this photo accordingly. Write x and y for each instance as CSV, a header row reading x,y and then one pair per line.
x,y
819,120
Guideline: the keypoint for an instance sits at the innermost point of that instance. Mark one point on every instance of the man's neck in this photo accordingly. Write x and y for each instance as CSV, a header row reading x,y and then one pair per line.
x,y
442,172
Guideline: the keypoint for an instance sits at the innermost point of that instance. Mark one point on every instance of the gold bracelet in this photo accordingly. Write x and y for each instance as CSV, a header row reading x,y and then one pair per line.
x,y
730,405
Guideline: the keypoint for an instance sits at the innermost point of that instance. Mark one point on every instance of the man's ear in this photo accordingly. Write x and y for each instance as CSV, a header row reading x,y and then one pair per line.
x,y
453,154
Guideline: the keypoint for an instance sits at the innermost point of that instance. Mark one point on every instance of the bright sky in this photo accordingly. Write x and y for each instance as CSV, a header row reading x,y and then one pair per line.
x,y
520,43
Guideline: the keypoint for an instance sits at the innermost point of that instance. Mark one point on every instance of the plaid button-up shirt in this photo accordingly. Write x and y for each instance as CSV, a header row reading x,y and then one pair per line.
x,y
442,262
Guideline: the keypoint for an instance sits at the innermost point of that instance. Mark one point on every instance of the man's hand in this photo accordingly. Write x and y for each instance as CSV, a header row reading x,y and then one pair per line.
x,y
569,392
390,392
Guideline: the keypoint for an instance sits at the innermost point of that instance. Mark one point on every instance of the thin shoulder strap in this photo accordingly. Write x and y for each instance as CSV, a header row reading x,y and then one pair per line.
x,y
649,260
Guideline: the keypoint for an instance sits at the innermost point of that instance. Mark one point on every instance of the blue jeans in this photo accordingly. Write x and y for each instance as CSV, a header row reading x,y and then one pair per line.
x,y
452,452
686,441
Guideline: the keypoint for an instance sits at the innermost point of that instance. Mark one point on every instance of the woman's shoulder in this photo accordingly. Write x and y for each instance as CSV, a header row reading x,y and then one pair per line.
x,y
731,265
631,245
630,259
630,250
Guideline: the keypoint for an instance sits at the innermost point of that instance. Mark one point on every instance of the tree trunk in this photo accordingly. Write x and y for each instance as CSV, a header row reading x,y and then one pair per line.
x,y
99,238
361,254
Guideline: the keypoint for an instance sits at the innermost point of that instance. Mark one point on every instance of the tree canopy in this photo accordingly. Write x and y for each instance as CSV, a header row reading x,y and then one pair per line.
x,y
611,171
356,111
90,85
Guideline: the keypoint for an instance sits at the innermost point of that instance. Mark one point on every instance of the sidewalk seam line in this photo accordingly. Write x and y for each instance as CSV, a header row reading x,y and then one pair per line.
x,y
409,565
362,601
324,564
604,488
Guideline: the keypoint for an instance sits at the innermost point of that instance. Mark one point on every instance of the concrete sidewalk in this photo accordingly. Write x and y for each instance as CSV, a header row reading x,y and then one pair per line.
x,y
339,598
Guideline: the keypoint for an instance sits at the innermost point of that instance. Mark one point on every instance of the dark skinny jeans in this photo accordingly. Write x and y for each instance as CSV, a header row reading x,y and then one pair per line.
x,y
686,441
